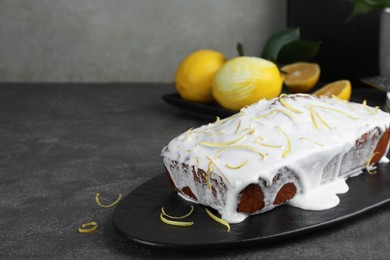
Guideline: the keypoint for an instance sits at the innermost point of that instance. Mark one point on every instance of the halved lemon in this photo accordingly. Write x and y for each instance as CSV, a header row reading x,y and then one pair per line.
x,y
341,89
301,77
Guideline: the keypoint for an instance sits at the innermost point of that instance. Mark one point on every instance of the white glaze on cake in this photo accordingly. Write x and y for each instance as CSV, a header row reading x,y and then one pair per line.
x,y
299,132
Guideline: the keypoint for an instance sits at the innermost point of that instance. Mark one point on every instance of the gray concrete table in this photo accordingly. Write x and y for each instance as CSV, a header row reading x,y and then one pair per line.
x,y
60,144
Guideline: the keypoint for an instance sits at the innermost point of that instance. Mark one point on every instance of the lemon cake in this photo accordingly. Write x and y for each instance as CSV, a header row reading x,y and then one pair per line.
x,y
295,149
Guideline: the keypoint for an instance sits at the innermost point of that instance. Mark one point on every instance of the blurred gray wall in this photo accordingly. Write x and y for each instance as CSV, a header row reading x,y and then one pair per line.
x,y
125,40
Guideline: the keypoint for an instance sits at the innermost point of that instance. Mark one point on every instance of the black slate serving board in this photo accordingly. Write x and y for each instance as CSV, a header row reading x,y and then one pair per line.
x,y
137,215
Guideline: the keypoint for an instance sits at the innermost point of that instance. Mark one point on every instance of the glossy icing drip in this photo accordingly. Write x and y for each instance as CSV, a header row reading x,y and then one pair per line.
x,y
301,133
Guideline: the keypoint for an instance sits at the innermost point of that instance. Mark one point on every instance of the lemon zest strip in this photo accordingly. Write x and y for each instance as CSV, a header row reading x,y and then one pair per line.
x,y
368,109
274,111
268,145
289,107
313,118
238,127
197,161
287,151
238,166
84,227
175,223
322,120
240,147
260,137
369,162
286,113
335,110
251,130
376,110
187,134
220,172
219,220
109,205
344,101
365,106
180,217
217,119
311,141
208,175
265,115
210,144
220,132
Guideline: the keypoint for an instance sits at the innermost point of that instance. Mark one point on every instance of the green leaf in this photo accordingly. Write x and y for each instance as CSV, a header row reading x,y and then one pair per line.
x,y
240,49
298,50
277,41
361,7
364,6
377,3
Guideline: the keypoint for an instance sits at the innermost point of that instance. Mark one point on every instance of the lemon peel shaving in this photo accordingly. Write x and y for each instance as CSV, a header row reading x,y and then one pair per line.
x,y
238,127
219,220
335,110
217,119
260,137
311,141
109,205
313,118
322,120
180,217
264,144
369,163
220,172
220,132
289,107
268,145
240,147
376,110
208,175
365,106
238,166
251,130
265,115
368,109
197,161
288,114
287,151
175,223
210,144
187,134
344,101
88,227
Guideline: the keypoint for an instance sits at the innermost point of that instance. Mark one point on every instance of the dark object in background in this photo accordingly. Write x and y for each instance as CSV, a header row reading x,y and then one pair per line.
x,y
348,50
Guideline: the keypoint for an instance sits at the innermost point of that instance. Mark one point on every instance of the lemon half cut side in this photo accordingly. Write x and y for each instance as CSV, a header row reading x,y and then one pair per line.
x,y
342,89
301,77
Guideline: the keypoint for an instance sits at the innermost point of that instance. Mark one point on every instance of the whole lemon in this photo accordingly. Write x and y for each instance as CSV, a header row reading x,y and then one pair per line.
x,y
245,80
195,74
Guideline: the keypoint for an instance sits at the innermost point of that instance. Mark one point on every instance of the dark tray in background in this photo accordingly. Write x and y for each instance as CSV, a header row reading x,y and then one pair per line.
x,y
373,96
